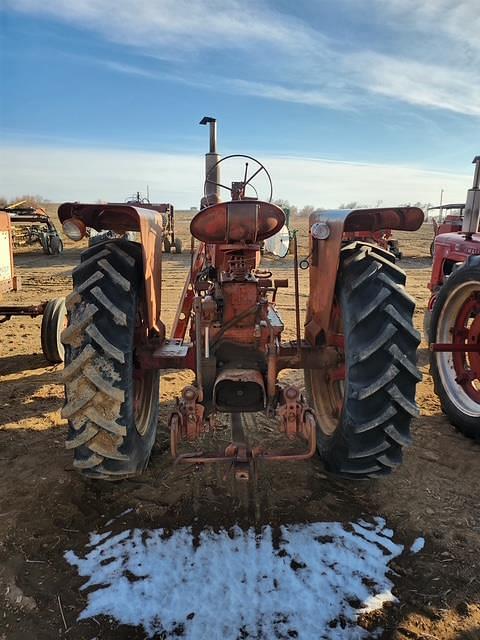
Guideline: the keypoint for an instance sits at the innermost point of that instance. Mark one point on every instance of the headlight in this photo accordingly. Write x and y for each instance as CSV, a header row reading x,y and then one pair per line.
x,y
74,229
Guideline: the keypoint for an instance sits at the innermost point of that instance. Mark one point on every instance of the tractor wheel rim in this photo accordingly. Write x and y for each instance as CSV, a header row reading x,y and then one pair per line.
x,y
329,395
459,323
143,399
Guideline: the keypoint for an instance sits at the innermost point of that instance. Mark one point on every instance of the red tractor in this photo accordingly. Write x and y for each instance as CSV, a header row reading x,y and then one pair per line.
x,y
446,224
171,242
452,320
358,351
383,238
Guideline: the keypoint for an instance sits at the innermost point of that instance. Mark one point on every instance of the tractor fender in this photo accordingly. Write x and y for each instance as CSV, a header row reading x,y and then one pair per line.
x,y
122,218
326,230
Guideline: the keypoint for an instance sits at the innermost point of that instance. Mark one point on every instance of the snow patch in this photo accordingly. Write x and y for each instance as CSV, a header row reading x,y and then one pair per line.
x,y
306,581
418,545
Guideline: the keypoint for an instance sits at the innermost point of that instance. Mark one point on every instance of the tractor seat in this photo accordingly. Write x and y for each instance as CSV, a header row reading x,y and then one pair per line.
x,y
244,221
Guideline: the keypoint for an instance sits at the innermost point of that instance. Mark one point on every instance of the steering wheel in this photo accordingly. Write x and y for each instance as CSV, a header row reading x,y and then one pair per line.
x,y
237,190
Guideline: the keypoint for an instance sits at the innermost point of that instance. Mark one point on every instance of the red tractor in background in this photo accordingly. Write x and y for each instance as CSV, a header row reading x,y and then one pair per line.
x,y
452,319
446,224
383,238
171,242
358,349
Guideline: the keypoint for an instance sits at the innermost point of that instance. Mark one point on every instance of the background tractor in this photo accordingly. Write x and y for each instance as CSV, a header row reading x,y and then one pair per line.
x,y
452,319
171,242
381,237
358,348
452,221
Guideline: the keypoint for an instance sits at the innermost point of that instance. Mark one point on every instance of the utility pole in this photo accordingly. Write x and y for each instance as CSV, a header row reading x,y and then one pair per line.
x,y
441,202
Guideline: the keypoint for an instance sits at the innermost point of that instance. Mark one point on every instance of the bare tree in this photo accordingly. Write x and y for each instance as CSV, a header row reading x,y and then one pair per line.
x,y
307,210
285,204
28,199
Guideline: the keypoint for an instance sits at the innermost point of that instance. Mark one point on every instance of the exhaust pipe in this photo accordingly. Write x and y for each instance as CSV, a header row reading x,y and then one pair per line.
x,y
471,213
212,190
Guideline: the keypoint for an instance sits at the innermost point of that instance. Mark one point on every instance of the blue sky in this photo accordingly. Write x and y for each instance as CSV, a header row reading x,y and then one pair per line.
x,y
343,99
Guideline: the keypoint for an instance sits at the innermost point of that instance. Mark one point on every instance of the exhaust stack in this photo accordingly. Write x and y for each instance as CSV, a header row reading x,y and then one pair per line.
x,y
471,213
211,158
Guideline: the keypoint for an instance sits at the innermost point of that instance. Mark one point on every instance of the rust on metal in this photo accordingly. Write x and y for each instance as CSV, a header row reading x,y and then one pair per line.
x,y
296,421
237,221
33,310
184,308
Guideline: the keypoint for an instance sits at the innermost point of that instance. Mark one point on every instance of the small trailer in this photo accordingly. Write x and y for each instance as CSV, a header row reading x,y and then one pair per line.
x,y
53,311
32,225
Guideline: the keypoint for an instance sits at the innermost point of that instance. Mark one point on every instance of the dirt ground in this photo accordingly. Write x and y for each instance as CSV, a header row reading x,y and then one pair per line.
x,y
46,507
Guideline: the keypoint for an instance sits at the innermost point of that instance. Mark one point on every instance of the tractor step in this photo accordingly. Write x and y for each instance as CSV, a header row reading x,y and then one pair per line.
x,y
171,354
172,349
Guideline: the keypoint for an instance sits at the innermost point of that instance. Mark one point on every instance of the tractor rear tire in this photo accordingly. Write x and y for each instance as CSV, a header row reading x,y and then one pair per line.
x,y
55,245
53,322
111,406
364,414
178,245
460,400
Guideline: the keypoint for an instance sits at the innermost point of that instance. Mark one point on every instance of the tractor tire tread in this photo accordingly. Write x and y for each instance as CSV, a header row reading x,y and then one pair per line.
x,y
379,395
98,389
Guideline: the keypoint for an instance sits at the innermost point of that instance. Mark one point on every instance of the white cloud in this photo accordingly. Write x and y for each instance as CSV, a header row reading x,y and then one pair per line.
x,y
418,83
129,69
175,23
315,97
458,21
435,64
89,174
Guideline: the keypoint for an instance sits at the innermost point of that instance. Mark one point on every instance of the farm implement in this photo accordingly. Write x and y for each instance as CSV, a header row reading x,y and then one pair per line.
x,y
32,225
452,319
53,311
357,348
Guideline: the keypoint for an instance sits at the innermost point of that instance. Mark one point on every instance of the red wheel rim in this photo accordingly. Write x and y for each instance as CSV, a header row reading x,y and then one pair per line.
x,y
466,329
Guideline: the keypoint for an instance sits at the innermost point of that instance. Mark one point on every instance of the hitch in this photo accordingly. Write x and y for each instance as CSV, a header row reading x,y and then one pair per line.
x,y
187,422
